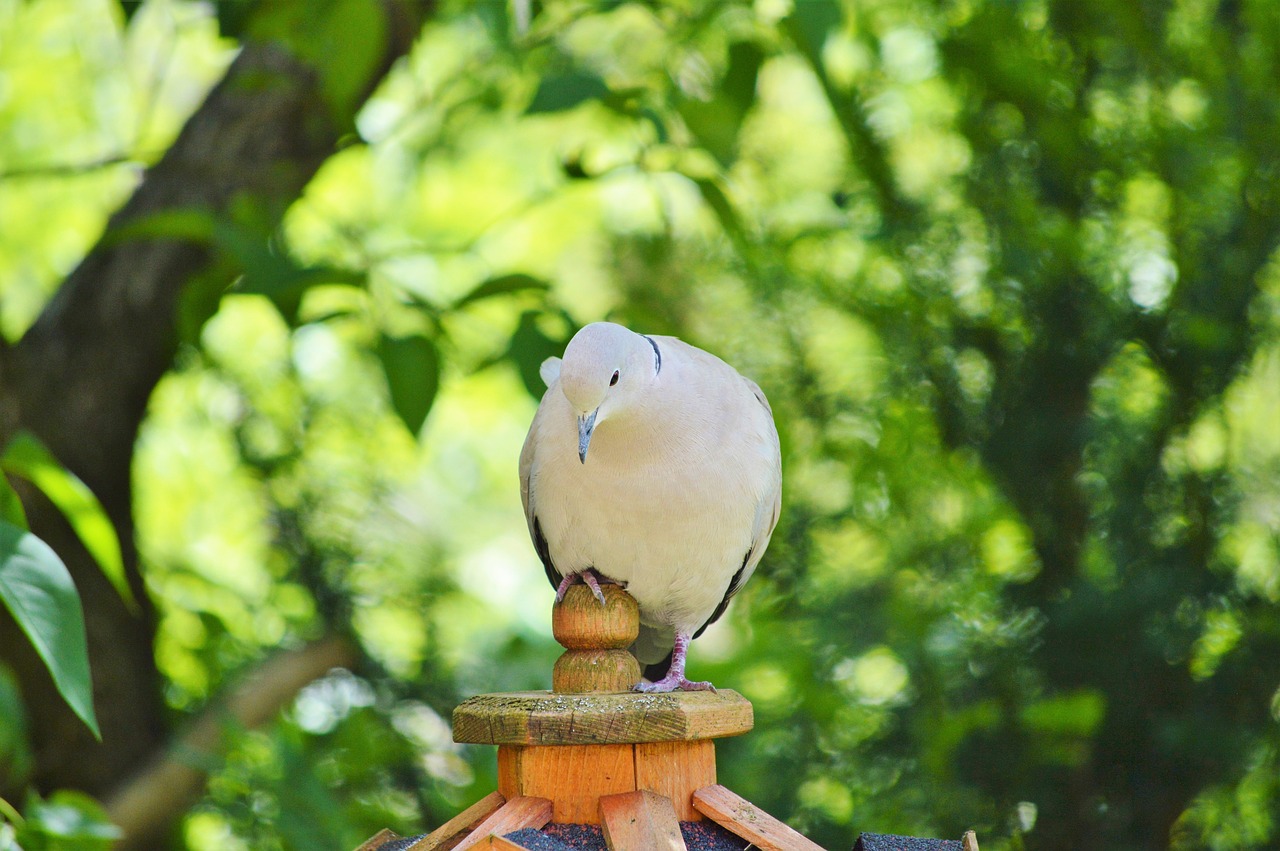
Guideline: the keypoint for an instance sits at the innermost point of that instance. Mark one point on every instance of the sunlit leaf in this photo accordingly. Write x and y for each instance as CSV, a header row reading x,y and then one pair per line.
x,y
10,506
67,820
412,367
184,224
36,588
27,457
342,39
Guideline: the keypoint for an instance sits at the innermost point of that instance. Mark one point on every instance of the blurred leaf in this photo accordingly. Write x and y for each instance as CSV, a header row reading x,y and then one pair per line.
x,y
529,348
16,760
566,91
184,224
67,821
310,814
342,39
10,506
27,457
275,274
502,285
37,590
232,18
412,367
723,208
811,21
716,123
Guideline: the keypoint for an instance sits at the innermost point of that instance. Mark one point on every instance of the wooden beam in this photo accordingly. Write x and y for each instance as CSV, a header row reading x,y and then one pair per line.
x,y
573,776
745,819
493,842
970,841
640,821
449,834
373,843
515,814
676,770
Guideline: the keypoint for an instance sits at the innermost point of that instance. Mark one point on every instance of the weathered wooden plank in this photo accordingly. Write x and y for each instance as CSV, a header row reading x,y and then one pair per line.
x,y
640,821
373,843
745,819
969,841
522,811
676,770
573,776
544,718
493,842
449,834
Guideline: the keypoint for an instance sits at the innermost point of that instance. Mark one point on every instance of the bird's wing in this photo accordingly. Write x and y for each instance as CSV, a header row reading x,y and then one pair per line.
x,y
527,496
768,508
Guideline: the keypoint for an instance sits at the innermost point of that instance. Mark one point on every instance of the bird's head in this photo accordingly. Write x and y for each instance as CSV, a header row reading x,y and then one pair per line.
x,y
606,371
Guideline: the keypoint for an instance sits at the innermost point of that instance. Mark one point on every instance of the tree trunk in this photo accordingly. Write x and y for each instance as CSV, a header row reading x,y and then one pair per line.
x,y
81,377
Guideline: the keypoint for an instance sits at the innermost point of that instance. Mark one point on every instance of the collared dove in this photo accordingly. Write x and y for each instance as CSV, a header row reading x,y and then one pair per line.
x,y
654,465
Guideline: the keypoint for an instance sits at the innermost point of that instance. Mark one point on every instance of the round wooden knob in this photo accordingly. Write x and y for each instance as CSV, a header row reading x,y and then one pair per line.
x,y
595,638
579,622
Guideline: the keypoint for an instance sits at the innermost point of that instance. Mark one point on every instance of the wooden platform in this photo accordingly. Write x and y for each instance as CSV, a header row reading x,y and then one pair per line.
x,y
548,718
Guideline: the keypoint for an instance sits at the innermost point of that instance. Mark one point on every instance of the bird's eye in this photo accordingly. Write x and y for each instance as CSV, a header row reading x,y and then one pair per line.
x,y
614,380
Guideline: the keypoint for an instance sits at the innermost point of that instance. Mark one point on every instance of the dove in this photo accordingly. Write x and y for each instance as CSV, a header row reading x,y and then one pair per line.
x,y
654,465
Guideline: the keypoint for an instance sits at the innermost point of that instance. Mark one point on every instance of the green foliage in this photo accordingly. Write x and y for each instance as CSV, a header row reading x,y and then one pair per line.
x,y
26,457
38,592
66,821
1007,271
412,366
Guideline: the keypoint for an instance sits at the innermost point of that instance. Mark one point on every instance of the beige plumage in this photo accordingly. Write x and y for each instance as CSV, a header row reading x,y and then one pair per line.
x,y
655,465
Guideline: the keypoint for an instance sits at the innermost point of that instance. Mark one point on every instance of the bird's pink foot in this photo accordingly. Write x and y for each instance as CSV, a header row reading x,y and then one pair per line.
x,y
591,579
675,678
670,683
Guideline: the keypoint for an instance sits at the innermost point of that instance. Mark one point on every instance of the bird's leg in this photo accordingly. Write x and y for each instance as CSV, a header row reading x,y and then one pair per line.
x,y
675,675
591,579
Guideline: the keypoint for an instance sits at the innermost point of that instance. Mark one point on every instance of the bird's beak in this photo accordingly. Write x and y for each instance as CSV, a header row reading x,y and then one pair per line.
x,y
586,425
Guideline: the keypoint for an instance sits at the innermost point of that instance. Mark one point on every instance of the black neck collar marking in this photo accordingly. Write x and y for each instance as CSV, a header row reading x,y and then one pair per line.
x,y
657,355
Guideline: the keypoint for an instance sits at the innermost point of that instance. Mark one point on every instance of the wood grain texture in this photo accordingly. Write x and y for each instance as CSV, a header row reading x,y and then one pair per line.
x,y
640,821
499,843
543,718
745,819
676,770
595,672
516,813
373,843
449,834
579,622
574,777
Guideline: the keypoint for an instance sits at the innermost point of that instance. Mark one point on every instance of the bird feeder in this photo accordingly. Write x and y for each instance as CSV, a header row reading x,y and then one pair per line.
x,y
594,765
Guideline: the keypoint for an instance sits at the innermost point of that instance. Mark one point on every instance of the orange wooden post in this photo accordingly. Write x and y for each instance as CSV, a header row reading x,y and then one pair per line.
x,y
592,736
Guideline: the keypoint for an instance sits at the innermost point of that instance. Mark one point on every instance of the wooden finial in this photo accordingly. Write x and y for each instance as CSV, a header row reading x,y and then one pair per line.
x,y
595,639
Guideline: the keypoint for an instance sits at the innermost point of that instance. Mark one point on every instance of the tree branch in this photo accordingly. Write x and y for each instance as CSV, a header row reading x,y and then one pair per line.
x,y
145,805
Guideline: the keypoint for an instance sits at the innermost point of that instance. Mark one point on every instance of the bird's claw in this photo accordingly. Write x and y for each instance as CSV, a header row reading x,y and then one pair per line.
x,y
591,579
670,684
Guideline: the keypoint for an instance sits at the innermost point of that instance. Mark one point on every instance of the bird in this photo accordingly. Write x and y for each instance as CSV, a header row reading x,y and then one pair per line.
x,y
654,465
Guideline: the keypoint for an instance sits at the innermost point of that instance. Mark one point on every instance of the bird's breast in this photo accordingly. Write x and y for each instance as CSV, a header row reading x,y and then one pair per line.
x,y
654,517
